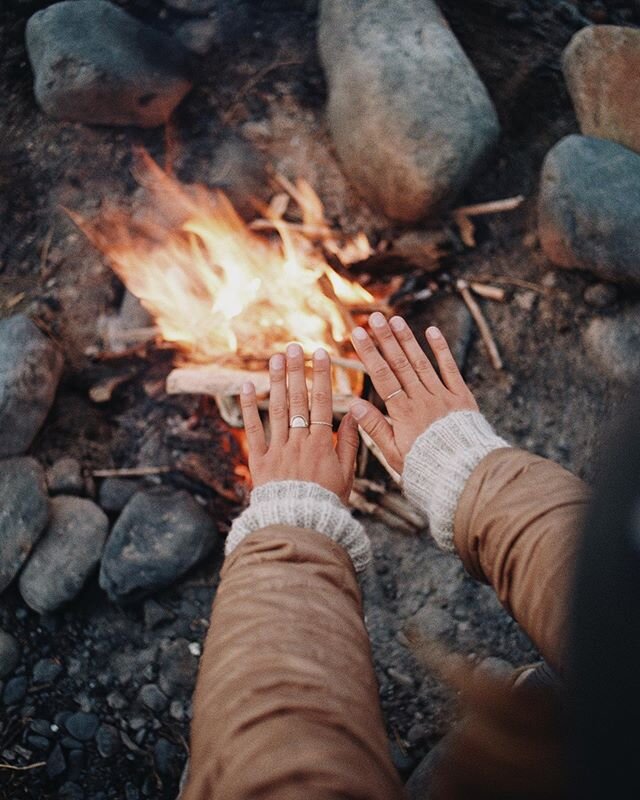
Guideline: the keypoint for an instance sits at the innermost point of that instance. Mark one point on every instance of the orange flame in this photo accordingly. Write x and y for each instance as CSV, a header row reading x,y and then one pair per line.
x,y
217,289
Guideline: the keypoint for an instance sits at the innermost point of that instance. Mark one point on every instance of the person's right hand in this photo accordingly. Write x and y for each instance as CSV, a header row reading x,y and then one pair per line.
x,y
404,378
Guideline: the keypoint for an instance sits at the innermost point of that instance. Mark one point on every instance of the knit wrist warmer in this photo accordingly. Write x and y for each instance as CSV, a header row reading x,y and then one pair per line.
x,y
439,464
302,504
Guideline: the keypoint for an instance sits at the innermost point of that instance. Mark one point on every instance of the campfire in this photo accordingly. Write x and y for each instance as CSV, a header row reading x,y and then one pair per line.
x,y
227,294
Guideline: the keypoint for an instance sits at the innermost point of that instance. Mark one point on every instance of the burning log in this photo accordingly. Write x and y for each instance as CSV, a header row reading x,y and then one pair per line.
x,y
215,381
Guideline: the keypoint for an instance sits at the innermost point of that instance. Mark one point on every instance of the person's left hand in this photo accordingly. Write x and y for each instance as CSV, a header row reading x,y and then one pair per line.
x,y
305,453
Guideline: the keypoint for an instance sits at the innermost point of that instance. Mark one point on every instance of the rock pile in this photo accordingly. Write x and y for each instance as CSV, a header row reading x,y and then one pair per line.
x,y
589,202
53,544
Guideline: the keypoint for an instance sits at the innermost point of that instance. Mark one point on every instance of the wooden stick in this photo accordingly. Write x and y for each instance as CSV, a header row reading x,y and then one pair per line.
x,y
511,282
215,381
392,501
310,231
481,322
489,292
360,503
130,472
23,769
491,206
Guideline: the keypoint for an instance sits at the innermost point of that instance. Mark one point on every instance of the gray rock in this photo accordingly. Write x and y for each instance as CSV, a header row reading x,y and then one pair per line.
x,y
601,65
9,654
15,691
199,35
160,535
410,118
30,368
613,344
107,741
66,555
115,493
56,764
178,669
433,623
47,670
24,515
82,726
589,208
65,477
94,63
600,295
164,754
151,696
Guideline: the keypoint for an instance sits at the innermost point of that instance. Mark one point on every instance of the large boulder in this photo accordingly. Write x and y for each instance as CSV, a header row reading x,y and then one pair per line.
x,y
160,534
589,208
66,555
601,66
24,511
30,369
409,116
94,63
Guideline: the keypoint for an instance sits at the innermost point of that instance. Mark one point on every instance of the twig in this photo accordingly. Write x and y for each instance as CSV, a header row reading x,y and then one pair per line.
x,y
310,231
481,322
536,287
130,472
360,503
462,216
392,501
22,769
44,253
489,292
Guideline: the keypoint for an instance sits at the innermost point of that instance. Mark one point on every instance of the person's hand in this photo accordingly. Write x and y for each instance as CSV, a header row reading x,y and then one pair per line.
x,y
408,384
305,453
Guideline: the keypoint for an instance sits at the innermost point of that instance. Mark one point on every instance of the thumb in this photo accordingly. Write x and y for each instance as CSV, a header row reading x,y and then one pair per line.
x,y
348,443
373,422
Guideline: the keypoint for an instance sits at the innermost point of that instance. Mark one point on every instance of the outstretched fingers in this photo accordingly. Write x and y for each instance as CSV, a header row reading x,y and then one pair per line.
x,y
253,427
347,444
449,371
384,380
416,355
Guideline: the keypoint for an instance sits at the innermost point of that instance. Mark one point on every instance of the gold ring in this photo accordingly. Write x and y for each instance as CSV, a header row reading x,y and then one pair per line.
x,y
298,422
393,394
319,422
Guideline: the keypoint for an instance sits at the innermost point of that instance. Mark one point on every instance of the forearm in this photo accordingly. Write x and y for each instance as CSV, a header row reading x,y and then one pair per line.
x,y
517,527
287,701
512,517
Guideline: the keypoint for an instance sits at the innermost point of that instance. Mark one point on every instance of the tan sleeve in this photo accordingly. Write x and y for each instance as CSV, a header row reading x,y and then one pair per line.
x,y
517,528
286,703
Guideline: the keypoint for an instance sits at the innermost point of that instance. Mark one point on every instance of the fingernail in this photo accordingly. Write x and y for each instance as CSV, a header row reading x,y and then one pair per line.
x,y
358,410
293,350
321,354
277,361
397,323
247,387
434,332
359,333
377,320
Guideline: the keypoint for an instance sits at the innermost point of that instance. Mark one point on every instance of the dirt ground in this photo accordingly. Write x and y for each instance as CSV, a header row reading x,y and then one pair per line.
x,y
549,398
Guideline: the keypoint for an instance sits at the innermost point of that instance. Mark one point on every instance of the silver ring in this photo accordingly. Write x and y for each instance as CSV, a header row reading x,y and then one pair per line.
x,y
393,394
319,422
298,422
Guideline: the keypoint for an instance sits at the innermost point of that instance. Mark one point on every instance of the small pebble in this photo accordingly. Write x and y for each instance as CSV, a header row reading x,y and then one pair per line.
x,y
600,295
82,726
9,654
38,742
56,764
153,698
107,741
47,670
65,477
14,691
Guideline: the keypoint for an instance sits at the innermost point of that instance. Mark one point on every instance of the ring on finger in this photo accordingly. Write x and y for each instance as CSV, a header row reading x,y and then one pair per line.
x,y
393,394
320,422
298,421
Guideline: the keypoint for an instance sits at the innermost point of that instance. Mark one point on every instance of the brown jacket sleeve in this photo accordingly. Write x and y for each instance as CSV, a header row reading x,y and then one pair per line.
x,y
286,704
517,527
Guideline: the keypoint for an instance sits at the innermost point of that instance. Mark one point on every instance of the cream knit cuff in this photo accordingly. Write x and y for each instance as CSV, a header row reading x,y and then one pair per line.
x,y
439,464
302,504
